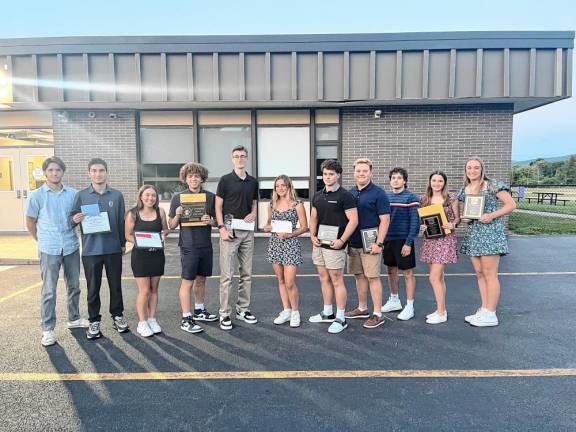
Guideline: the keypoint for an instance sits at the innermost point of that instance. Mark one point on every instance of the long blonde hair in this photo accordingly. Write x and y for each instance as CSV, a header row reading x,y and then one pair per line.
x,y
291,193
483,174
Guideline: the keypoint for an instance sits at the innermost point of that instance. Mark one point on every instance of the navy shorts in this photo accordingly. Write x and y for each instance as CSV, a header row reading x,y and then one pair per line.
x,y
393,257
196,262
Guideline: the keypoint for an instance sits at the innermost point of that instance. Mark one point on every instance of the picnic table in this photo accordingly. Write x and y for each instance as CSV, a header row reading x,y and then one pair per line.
x,y
551,197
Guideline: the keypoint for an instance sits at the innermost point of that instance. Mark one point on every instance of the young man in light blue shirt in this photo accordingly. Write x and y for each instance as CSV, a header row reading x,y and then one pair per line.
x,y
48,221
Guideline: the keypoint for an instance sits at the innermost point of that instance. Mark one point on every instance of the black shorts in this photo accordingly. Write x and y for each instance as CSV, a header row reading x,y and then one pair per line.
x,y
393,257
196,262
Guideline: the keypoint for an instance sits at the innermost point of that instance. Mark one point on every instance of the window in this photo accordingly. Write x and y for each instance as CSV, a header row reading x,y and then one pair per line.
x,y
216,144
164,150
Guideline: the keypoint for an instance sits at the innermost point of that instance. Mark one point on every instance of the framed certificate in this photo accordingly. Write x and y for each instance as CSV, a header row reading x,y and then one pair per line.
x,y
281,226
369,236
473,206
433,226
193,208
148,240
327,234
96,224
434,217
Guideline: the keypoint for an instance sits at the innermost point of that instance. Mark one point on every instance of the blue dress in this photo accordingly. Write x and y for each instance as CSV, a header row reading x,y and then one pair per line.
x,y
287,252
482,239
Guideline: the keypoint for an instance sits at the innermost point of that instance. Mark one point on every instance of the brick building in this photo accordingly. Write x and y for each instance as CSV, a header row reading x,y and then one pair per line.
x,y
147,105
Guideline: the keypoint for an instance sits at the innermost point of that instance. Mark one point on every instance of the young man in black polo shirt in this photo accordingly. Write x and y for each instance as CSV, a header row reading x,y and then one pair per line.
x,y
236,198
333,209
195,248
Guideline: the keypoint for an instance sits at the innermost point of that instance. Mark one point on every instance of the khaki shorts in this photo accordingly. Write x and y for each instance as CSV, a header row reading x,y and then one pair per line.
x,y
360,262
333,259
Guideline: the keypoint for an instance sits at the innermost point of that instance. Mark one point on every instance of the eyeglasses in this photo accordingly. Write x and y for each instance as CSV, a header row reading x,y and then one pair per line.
x,y
239,157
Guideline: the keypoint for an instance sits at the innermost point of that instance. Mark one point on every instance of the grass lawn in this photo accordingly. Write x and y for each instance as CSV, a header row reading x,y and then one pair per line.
x,y
570,208
522,223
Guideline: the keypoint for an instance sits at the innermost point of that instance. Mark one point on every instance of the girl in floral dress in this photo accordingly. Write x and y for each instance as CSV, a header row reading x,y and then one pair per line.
x,y
440,251
485,239
284,249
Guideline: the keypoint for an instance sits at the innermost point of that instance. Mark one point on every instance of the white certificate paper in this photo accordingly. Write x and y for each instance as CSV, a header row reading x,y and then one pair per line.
x,y
281,226
239,224
96,224
148,240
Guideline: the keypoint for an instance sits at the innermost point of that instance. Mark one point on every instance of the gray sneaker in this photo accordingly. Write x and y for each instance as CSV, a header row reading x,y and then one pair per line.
x,y
93,331
120,324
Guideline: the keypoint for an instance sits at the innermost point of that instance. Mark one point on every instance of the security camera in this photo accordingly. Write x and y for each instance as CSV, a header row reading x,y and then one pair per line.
x,y
377,114
91,114
112,115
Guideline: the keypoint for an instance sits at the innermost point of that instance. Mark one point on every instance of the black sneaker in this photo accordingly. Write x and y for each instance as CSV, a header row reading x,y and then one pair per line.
x,y
247,317
204,315
188,325
93,331
225,323
120,324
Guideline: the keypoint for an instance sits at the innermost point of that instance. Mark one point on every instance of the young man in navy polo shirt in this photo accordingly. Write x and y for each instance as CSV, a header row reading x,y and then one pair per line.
x,y
373,212
399,253
333,207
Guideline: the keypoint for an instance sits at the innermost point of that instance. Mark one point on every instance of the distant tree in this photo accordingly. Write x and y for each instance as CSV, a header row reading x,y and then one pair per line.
x,y
570,170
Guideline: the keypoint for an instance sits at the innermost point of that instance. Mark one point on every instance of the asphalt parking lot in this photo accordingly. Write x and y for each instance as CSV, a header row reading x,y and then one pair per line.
x,y
518,376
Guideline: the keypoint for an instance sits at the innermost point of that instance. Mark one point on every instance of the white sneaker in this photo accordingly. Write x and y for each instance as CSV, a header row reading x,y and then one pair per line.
x,y
154,326
392,305
436,318
48,338
295,319
283,317
79,323
485,319
144,329
469,318
406,314
337,326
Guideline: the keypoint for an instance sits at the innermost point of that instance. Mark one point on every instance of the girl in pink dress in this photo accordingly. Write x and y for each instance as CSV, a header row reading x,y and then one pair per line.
x,y
440,251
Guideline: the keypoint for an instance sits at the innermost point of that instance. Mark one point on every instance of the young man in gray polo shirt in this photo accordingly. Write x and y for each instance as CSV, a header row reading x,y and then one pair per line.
x,y
102,250
47,220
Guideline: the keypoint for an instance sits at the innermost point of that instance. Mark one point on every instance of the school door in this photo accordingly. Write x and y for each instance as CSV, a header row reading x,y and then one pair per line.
x,y
20,174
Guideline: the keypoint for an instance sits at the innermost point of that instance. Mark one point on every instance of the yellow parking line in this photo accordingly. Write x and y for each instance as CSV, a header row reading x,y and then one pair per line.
x,y
22,291
319,374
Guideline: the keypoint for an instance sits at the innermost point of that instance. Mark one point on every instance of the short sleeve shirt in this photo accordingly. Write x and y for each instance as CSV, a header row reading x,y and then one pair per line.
x,y
194,237
237,194
371,202
331,208
56,234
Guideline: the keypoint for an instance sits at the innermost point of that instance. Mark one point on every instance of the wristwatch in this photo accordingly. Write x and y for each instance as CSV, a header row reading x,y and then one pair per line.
x,y
221,226
380,245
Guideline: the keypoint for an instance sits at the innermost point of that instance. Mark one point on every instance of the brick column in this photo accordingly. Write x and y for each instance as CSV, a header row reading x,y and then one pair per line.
x,y
79,136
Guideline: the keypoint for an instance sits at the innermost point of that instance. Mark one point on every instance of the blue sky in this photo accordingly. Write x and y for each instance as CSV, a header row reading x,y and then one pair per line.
x,y
546,131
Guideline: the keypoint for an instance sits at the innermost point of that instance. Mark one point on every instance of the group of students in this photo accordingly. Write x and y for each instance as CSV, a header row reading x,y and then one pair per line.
x,y
55,210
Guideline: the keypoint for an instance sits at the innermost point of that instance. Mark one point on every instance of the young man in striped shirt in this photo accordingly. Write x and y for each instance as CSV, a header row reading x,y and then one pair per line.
x,y
399,250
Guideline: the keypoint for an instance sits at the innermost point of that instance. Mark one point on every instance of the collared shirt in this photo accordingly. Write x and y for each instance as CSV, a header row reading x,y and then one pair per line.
x,y
371,202
112,202
331,208
237,194
51,209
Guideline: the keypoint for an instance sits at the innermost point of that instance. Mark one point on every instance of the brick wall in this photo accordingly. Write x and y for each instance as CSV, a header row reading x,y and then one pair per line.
x,y
425,138
78,138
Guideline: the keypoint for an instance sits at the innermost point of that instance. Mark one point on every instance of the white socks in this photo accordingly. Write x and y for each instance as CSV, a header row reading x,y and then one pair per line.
x,y
199,306
328,310
340,314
